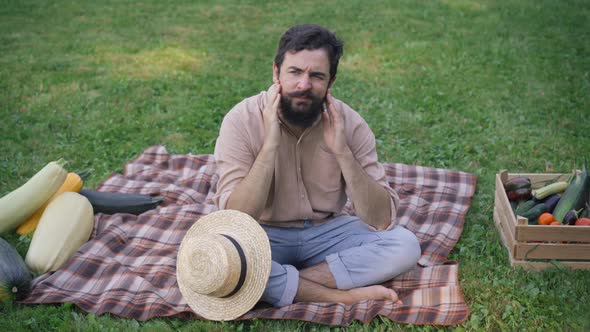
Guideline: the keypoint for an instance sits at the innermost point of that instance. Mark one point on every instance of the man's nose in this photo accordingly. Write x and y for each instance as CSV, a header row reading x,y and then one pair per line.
x,y
304,83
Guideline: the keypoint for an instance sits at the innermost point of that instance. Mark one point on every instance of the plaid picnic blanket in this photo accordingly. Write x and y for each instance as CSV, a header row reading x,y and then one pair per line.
x,y
128,268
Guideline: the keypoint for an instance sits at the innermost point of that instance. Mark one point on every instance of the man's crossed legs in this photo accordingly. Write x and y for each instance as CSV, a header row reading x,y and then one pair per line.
x,y
341,260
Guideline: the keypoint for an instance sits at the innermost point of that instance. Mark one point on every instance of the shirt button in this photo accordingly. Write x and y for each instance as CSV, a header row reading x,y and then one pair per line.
x,y
302,196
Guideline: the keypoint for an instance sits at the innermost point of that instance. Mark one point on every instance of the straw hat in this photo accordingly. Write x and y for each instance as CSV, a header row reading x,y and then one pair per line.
x,y
223,265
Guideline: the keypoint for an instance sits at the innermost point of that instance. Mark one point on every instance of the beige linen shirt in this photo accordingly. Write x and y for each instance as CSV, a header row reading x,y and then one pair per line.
x,y
307,182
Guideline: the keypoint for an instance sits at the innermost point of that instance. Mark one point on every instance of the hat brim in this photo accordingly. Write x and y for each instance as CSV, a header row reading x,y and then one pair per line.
x,y
256,246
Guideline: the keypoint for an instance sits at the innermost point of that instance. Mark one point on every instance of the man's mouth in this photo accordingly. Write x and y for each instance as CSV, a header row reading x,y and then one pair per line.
x,y
303,98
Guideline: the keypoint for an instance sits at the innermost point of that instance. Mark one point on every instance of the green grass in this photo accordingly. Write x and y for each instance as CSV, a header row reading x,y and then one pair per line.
x,y
476,86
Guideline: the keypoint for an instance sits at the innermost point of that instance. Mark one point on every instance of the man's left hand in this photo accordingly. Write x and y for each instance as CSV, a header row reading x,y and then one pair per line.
x,y
333,124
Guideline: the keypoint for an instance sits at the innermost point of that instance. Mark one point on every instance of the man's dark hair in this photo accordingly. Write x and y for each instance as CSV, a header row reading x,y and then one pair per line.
x,y
310,37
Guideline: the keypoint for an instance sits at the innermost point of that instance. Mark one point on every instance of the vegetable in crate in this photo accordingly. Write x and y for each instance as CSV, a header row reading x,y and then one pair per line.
x,y
525,206
583,222
64,227
551,202
571,217
522,194
517,183
111,203
576,194
15,278
518,189
547,218
21,203
550,189
533,214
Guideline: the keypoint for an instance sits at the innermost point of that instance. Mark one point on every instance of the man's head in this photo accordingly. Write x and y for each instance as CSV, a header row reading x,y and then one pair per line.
x,y
305,65
310,37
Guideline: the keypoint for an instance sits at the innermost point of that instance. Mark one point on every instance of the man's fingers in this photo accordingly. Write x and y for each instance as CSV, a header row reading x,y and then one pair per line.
x,y
326,118
335,116
276,102
273,91
330,103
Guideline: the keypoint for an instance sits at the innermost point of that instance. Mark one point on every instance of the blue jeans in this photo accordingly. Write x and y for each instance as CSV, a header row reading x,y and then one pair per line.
x,y
356,255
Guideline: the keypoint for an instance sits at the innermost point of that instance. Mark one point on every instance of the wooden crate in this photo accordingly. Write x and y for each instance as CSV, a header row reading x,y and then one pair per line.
x,y
537,247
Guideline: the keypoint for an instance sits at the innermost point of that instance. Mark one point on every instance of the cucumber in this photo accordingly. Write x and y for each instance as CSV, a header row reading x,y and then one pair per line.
x,y
575,196
111,203
525,206
533,214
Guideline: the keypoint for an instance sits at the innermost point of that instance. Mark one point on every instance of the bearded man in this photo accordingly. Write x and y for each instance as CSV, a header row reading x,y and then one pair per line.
x,y
291,157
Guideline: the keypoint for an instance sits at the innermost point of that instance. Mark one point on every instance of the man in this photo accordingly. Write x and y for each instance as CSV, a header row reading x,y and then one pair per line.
x,y
290,157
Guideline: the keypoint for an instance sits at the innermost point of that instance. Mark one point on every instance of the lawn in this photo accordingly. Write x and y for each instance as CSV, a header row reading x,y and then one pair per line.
x,y
476,86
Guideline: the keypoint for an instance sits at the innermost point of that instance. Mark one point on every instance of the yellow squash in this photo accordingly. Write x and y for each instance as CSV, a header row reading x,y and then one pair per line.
x,y
64,227
17,206
72,183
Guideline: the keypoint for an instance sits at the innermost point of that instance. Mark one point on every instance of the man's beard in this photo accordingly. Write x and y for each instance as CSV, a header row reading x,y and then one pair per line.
x,y
302,115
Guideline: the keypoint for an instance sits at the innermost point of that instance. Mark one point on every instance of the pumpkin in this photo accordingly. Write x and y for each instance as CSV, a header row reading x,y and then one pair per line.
x,y
15,278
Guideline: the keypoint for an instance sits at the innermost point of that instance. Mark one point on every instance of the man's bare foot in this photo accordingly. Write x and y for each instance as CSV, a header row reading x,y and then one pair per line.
x,y
376,292
309,291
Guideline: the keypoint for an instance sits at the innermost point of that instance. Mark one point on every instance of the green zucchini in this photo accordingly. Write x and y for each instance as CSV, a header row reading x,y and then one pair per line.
x,y
15,278
111,203
525,206
533,214
575,196
513,206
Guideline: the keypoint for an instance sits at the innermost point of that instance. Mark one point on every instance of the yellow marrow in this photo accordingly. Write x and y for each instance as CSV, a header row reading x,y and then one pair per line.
x,y
73,182
17,206
66,224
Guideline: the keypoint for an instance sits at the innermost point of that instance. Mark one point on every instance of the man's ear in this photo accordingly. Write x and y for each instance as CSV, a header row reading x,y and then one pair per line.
x,y
332,80
275,73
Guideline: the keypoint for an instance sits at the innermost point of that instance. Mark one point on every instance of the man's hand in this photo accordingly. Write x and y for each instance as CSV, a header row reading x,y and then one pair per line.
x,y
251,193
333,124
371,201
272,130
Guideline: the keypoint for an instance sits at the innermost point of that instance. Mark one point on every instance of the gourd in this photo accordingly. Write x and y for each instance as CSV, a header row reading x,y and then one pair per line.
x,y
73,183
15,278
21,203
64,227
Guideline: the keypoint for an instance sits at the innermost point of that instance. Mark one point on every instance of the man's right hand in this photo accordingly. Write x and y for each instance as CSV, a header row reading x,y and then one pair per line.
x,y
272,130
251,193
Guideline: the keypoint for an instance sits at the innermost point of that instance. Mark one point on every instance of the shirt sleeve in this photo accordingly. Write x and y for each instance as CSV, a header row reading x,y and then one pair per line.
x,y
363,146
233,156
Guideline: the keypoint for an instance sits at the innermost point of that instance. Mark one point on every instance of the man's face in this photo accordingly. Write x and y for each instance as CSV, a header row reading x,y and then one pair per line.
x,y
304,77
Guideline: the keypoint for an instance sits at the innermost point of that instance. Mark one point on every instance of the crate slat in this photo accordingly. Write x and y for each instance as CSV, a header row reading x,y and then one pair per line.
x,y
552,251
505,234
552,233
540,266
